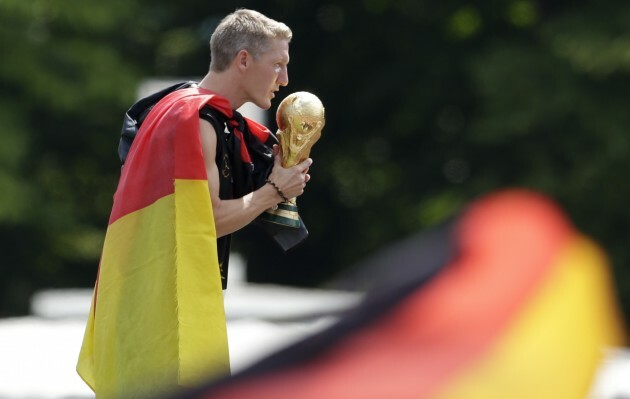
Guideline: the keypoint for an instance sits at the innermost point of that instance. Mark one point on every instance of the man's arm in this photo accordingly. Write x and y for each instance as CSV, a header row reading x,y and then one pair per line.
x,y
232,215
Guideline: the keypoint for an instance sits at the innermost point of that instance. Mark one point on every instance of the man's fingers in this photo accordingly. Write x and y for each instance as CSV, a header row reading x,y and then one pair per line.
x,y
305,164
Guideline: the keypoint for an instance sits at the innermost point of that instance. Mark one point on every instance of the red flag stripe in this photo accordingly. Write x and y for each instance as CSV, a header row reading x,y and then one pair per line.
x,y
154,173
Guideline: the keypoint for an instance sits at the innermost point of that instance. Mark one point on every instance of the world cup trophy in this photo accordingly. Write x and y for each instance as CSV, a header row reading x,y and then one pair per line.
x,y
300,118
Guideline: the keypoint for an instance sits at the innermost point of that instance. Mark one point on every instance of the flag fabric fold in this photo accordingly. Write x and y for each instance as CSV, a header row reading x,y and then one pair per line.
x,y
157,320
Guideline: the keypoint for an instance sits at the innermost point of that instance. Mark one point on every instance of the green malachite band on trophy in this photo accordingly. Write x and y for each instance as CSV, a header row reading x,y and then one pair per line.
x,y
286,215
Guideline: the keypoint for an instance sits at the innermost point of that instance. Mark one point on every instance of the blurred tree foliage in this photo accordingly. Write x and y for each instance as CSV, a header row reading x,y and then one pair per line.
x,y
429,105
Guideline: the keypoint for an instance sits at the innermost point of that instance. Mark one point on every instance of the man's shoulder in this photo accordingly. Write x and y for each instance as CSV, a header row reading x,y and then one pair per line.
x,y
215,118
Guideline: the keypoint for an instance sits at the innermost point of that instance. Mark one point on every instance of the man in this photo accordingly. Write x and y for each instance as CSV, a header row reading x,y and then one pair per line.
x,y
247,72
195,173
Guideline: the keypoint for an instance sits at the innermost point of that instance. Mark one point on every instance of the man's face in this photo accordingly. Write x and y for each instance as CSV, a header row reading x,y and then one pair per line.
x,y
267,73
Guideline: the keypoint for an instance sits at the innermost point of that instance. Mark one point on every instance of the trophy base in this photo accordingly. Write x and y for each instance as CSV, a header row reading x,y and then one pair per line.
x,y
286,215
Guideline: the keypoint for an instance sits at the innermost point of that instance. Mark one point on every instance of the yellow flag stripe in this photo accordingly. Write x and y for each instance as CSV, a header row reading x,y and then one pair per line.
x,y
204,348
552,349
159,320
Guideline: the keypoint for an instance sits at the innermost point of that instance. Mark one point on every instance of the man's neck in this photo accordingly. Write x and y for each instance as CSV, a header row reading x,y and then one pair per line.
x,y
225,85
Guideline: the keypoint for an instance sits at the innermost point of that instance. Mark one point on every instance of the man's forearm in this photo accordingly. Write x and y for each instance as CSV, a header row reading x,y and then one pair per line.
x,y
232,215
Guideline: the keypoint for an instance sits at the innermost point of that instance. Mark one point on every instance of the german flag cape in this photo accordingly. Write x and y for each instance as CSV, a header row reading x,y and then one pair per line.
x,y
508,300
157,319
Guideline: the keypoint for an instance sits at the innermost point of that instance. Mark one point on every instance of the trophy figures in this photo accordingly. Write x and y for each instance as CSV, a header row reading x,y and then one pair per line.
x,y
300,118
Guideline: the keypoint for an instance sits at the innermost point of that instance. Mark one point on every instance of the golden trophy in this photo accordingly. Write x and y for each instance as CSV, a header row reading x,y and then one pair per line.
x,y
300,118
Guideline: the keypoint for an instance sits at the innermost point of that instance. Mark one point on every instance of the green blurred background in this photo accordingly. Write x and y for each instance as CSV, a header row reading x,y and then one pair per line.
x,y
429,105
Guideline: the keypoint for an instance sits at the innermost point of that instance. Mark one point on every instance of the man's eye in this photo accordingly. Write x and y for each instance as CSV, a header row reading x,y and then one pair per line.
x,y
277,68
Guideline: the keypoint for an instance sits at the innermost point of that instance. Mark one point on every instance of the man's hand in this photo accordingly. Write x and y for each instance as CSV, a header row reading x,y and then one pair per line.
x,y
291,181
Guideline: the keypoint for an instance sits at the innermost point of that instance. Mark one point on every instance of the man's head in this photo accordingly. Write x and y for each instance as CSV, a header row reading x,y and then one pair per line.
x,y
244,30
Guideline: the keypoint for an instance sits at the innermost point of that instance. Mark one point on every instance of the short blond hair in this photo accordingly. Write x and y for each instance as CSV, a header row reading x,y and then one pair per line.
x,y
244,30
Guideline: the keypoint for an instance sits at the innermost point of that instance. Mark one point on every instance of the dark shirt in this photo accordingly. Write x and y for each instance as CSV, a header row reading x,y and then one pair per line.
x,y
236,178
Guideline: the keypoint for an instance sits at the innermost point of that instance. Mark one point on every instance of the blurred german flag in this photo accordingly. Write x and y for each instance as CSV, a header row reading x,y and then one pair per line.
x,y
506,300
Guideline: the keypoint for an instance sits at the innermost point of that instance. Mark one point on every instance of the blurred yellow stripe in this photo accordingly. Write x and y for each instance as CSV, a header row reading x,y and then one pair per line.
x,y
552,348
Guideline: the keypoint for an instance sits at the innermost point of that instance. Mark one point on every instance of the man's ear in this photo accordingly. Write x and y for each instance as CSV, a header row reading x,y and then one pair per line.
x,y
243,59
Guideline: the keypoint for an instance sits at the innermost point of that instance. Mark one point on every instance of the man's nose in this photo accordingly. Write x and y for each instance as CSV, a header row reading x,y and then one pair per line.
x,y
283,77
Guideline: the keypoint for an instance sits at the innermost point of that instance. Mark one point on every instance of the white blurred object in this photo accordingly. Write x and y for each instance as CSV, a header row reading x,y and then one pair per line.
x,y
38,359
611,381
61,304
